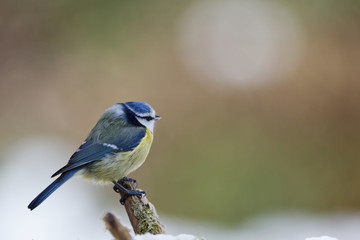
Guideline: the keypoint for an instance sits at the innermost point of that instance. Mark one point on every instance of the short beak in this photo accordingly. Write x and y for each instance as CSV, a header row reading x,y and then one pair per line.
x,y
157,117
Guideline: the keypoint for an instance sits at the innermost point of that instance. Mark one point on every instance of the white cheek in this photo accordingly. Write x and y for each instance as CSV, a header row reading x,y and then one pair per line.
x,y
148,124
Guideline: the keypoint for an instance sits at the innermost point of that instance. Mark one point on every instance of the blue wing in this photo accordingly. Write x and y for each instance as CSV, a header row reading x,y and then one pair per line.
x,y
91,151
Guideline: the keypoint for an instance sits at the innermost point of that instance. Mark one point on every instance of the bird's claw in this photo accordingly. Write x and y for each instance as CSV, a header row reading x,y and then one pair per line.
x,y
127,179
138,193
117,187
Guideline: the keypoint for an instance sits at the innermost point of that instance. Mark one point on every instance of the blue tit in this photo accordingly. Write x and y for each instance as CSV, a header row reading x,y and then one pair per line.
x,y
117,145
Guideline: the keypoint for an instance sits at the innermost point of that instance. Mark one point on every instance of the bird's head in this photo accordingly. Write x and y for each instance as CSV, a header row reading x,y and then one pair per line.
x,y
136,113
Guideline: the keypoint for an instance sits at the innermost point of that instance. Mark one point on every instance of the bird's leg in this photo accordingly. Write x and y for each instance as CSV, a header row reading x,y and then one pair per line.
x,y
127,179
127,192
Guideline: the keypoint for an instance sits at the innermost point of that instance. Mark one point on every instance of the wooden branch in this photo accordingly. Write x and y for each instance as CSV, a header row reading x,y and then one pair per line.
x,y
118,231
142,214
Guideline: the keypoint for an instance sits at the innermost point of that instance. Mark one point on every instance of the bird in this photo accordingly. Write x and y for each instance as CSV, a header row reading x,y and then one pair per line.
x,y
117,145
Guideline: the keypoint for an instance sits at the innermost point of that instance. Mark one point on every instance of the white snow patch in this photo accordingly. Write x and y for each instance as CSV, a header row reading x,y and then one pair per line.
x,y
321,238
149,236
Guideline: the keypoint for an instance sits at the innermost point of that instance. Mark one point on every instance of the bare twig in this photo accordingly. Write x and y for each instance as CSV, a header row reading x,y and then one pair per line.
x,y
118,231
142,214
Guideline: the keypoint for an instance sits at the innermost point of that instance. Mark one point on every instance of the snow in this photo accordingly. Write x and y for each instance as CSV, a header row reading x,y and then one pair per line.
x,y
149,236
321,238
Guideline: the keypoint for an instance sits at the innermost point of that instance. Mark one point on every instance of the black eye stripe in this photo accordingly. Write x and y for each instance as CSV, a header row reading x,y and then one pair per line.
x,y
148,118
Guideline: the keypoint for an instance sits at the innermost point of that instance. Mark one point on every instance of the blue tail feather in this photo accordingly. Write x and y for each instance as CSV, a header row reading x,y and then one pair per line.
x,y
51,188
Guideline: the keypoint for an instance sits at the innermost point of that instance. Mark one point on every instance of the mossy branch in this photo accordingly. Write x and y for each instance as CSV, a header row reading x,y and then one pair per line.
x,y
142,214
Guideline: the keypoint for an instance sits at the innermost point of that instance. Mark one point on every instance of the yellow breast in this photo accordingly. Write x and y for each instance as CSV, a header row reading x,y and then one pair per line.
x,y
121,164
138,155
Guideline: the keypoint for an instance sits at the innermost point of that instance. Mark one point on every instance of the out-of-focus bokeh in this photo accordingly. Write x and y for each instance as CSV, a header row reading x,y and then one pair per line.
x,y
259,100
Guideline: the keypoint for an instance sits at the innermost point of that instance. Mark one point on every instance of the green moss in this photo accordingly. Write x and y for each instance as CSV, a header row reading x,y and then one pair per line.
x,y
148,219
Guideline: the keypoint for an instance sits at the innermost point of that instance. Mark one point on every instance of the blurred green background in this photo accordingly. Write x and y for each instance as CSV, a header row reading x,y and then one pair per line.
x,y
224,150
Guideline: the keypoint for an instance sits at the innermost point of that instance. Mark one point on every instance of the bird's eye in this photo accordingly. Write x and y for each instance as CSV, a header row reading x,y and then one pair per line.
x,y
148,118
